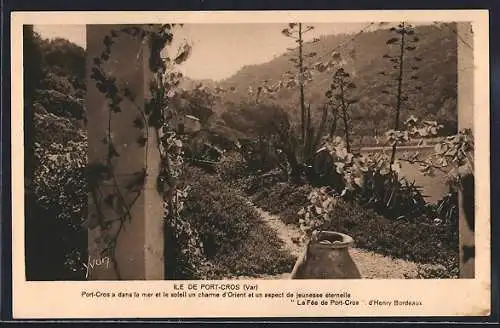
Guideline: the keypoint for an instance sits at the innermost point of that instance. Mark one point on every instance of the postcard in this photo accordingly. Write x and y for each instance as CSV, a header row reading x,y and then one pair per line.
x,y
250,164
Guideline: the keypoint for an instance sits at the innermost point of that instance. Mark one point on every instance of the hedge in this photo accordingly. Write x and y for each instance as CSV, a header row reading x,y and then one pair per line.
x,y
415,241
235,240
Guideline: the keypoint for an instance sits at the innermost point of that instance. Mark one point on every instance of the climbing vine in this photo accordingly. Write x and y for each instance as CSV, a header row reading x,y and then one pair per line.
x,y
113,200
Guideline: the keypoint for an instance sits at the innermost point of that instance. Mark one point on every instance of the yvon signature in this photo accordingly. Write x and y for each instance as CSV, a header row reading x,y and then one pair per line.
x,y
102,262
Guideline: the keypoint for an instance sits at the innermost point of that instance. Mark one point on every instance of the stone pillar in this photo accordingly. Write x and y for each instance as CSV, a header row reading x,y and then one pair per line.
x,y
465,103
139,245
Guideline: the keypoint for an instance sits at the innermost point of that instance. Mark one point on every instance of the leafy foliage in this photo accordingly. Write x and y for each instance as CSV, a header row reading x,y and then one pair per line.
x,y
233,239
373,182
454,155
60,104
415,240
231,166
215,234
57,202
314,215
283,198
60,84
157,116
55,159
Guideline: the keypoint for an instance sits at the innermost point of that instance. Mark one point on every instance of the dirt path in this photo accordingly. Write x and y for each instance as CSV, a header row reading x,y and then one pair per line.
x,y
371,265
290,235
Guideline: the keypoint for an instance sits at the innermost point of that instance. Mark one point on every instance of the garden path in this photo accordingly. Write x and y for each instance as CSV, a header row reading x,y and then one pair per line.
x,y
371,265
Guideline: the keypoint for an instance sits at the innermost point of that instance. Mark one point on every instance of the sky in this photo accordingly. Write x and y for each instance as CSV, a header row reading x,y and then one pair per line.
x,y
219,50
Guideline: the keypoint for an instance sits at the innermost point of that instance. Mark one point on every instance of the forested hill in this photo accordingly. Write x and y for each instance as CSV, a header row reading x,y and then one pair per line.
x,y
55,76
429,81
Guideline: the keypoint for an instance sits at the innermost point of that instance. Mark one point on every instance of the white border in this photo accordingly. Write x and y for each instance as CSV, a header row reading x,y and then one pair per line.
x,y
440,297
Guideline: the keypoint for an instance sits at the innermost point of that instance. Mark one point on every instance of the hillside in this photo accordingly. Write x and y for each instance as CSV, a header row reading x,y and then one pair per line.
x,y
433,64
55,77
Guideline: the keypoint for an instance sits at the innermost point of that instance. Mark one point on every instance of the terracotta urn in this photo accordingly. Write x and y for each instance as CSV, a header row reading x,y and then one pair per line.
x,y
326,257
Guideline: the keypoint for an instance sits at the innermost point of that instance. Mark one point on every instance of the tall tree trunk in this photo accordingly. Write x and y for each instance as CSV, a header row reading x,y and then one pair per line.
x,y
294,165
321,127
400,88
333,127
344,118
308,149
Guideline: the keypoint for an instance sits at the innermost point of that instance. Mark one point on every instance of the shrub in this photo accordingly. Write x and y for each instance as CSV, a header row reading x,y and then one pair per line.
x,y
50,129
254,184
231,166
233,237
61,104
446,209
56,243
284,199
259,253
372,181
410,240
437,272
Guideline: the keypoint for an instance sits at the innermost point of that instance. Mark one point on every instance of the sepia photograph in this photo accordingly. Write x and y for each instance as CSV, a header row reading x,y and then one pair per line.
x,y
249,151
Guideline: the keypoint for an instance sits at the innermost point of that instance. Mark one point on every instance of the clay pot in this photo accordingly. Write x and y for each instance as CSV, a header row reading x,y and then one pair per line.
x,y
326,257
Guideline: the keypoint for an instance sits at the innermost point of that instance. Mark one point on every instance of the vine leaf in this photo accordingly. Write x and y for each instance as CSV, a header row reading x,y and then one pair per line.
x,y
112,151
392,40
113,106
96,172
97,74
128,94
141,140
107,41
138,123
109,200
183,55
